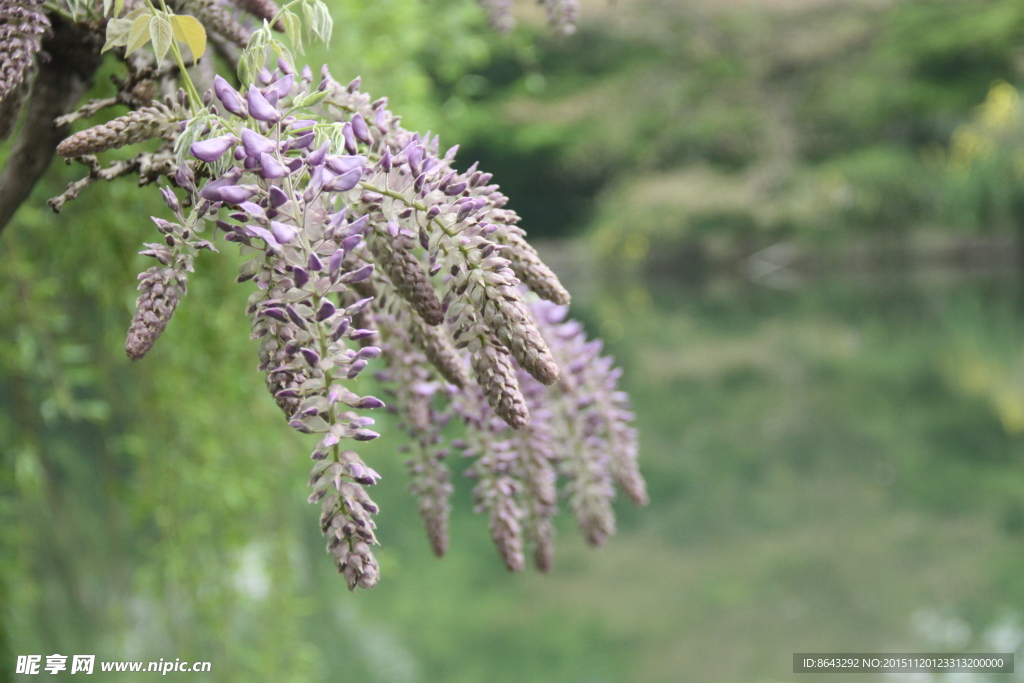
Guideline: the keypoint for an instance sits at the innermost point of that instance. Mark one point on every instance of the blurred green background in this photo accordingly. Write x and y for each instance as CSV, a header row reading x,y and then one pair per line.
x,y
798,224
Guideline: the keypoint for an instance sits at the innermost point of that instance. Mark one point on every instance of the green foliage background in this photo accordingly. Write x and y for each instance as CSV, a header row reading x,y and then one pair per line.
x,y
834,461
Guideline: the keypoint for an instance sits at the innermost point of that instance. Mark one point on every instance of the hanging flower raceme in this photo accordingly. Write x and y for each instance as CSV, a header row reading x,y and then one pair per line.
x,y
369,248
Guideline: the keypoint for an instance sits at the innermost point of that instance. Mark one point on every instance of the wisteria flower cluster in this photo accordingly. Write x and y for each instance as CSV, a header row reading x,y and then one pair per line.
x,y
371,252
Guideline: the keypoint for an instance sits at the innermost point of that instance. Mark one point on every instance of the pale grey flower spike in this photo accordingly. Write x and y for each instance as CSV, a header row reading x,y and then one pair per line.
x,y
138,126
162,289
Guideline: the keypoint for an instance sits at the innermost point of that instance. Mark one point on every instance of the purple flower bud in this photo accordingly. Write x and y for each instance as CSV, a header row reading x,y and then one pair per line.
x,y
358,226
302,124
380,119
385,160
284,66
170,199
294,165
316,183
346,182
283,232
260,108
314,263
326,310
212,149
356,367
265,76
229,97
432,212
368,352
360,129
295,317
271,168
255,144
356,335
300,276
334,264
300,426
350,242
277,196
393,228
263,234
307,73
229,178
251,210
316,158
232,194
350,138
302,141
358,275
456,189
369,402
276,314
311,356
415,156
283,86
340,330
343,164
363,434
359,306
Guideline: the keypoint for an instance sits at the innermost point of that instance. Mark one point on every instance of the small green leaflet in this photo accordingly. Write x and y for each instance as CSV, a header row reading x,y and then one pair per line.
x,y
160,30
292,29
318,19
254,55
138,27
118,30
138,34
188,30
311,98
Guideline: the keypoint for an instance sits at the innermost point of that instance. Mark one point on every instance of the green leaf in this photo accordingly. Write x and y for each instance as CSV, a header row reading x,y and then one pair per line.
x,y
323,25
293,29
310,99
160,29
107,7
254,55
282,50
188,30
138,35
118,6
117,33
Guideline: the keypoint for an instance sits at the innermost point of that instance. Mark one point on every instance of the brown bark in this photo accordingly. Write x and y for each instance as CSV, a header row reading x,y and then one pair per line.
x,y
62,80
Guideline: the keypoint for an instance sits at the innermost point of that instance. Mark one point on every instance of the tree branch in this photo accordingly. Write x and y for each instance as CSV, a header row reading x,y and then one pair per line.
x,y
60,84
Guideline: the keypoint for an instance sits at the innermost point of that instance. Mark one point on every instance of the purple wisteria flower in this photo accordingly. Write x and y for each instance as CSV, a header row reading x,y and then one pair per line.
x,y
369,250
